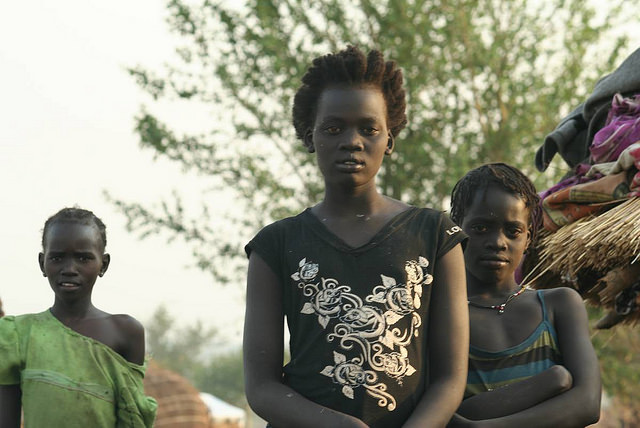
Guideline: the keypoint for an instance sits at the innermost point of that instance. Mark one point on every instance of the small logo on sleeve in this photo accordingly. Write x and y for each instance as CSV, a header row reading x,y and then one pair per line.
x,y
453,230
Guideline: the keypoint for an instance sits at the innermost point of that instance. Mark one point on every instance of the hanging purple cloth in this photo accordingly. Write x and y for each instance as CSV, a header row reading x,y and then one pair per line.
x,y
578,177
622,128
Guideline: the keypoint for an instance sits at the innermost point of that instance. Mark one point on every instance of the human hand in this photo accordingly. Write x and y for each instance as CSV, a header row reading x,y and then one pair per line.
x,y
458,421
559,377
353,422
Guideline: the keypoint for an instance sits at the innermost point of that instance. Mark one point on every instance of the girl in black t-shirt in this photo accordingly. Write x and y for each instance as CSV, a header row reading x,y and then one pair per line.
x,y
373,289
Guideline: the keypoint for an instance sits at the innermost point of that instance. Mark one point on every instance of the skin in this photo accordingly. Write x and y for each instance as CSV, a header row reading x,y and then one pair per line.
x,y
562,396
351,138
72,260
10,396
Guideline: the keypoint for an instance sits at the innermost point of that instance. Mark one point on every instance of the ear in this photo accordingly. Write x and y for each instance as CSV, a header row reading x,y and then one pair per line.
x,y
308,141
41,263
390,144
106,259
526,248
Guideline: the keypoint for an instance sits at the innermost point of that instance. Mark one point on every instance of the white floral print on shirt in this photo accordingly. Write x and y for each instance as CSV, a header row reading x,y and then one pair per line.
x,y
367,333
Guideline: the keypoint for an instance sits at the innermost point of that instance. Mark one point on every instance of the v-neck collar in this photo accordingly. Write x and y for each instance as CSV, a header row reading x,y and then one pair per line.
x,y
337,242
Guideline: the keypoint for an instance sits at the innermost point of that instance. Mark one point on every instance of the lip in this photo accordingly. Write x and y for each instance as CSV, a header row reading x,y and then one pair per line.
x,y
493,262
67,285
350,165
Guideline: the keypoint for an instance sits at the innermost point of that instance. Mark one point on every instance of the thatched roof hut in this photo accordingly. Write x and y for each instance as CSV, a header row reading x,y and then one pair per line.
x,y
179,403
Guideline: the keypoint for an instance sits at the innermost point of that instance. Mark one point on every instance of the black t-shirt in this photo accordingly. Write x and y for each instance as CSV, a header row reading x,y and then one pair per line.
x,y
358,317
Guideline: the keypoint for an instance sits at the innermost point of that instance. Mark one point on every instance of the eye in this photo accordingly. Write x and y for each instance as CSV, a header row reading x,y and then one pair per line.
x,y
55,258
369,130
514,232
332,130
479,228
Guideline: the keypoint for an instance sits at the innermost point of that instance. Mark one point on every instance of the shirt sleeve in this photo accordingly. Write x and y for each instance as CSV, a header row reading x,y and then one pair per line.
x,y
134,408
268,244
10,360
450,234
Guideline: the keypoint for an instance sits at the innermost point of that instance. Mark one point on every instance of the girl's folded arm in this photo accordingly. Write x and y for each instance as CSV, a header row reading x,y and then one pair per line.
x,y
580,405
518,396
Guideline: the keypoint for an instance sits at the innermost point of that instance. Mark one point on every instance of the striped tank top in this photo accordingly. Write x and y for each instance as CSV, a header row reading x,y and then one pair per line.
x,y
490,370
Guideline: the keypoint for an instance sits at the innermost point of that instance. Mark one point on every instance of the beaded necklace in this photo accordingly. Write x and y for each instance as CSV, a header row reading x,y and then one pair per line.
x,y
501,307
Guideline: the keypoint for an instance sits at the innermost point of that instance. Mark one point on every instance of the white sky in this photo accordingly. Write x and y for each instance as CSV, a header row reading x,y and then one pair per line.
x,y
66,134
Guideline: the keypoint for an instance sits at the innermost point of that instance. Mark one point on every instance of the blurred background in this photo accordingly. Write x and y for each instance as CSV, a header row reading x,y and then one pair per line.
x,y
171,121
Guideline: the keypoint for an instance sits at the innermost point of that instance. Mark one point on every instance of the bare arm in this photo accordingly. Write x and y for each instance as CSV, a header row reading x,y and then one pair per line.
x,y
517,396
263,345
448,343
10,406
132,333
580,405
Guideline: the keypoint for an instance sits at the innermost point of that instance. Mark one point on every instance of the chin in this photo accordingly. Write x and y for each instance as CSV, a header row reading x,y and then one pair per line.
x,y
490,277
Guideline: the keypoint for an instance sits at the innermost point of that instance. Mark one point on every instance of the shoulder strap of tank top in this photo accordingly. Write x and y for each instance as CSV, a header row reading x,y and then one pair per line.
x,y
544,307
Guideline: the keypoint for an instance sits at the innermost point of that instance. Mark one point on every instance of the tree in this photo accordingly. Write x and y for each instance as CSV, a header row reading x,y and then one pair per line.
x,y
181,349
190,351
618,351
223,377
485,80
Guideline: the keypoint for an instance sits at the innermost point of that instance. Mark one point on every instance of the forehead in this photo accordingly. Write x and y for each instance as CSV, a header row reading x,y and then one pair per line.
x,y
72,235
493,202
351,102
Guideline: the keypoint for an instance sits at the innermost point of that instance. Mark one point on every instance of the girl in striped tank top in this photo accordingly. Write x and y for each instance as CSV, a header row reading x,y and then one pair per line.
x,y
531,361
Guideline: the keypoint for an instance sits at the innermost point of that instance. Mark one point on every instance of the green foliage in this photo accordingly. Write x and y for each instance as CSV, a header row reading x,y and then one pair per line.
x,y
618,351
179,349
485,79
189,351
223,377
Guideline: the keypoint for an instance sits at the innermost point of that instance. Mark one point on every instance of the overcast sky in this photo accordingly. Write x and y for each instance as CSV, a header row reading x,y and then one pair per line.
x,y
66,134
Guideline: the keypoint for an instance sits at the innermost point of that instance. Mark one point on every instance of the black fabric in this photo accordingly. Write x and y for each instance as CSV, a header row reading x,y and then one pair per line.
x,y
574,134
358,317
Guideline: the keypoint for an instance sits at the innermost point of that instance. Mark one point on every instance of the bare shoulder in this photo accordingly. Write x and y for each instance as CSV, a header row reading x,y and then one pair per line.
x,y
127,327
130,337
127,323
393,206
567,312
562,298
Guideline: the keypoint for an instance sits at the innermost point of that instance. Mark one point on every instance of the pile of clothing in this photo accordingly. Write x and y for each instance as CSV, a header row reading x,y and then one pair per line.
x,y
587,243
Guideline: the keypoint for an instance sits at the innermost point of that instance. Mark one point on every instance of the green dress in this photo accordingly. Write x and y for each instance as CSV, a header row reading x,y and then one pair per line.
x,y
70,380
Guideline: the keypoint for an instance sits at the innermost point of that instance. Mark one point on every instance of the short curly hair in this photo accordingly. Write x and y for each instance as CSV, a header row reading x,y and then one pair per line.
x,y
352,68
504,176
78,216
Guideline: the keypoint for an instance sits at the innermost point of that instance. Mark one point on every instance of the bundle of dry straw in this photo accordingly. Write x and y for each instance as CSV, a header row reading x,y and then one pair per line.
x,y
585,251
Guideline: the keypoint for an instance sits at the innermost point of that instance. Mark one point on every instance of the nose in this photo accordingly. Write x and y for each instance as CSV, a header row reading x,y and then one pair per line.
x,y
69,268
496,241
352,141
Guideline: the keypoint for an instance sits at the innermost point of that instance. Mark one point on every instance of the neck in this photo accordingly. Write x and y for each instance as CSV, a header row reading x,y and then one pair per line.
x,y
357,201
479,288
72,310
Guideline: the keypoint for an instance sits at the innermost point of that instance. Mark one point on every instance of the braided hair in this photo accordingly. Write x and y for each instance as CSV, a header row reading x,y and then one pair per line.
x,y
350,67
78,216
504,176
